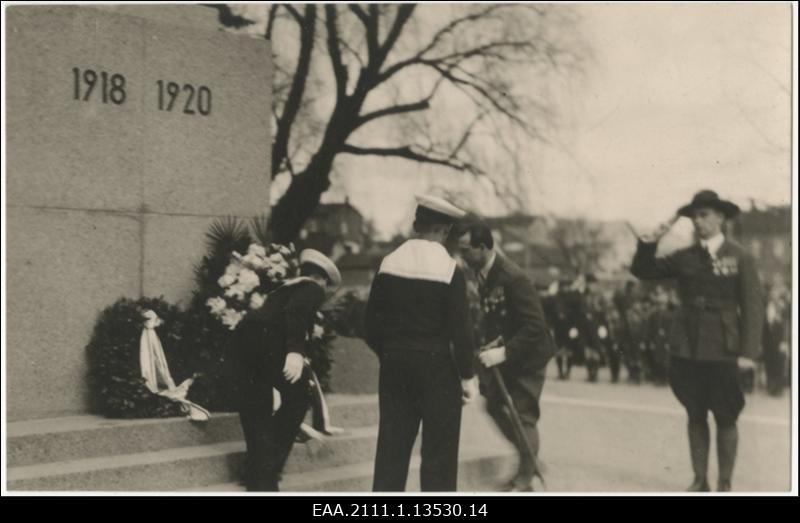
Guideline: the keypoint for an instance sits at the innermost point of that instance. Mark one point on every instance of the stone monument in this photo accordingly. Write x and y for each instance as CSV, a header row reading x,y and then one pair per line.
x,y
129,130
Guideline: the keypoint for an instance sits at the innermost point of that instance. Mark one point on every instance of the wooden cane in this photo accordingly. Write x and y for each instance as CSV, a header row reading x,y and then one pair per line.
x,y
516,421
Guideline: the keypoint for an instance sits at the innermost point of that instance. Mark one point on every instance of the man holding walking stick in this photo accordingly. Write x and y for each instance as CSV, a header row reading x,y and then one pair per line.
x,y
516,346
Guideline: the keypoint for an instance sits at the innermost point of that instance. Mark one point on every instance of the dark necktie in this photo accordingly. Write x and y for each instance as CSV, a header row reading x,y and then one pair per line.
x,y
705,254
481,282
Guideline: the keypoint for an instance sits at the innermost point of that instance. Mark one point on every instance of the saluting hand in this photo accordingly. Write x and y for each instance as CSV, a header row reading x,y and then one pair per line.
x,y
659,233
745,363
293,368
492,357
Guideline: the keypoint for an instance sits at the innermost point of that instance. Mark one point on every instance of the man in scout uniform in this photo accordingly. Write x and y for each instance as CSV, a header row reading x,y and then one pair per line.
x,y
270,348
516,338
417,321
717,327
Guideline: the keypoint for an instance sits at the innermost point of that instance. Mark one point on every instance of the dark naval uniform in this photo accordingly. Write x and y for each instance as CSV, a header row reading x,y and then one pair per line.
x,y
417,321
262,341
719,320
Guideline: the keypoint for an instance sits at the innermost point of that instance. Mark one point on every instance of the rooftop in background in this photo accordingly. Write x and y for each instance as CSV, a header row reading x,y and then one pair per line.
x,y
771,220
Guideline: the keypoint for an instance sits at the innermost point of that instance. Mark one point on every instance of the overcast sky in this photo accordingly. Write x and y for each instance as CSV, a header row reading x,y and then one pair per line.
x,y
677,97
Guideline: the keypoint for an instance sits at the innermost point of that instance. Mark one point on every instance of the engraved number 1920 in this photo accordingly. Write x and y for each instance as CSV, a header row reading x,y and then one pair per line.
x,y
196,99
112,86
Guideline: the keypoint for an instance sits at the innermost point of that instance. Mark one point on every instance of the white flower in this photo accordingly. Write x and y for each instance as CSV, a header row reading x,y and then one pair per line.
x,y
226,280
233,268
248,280
284,250
216,304
231,318
236,291
257,300
318,332
255,262
256,250
276,258
280,273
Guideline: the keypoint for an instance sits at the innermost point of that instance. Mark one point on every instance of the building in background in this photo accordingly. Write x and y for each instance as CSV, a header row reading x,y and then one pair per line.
x,y
335,229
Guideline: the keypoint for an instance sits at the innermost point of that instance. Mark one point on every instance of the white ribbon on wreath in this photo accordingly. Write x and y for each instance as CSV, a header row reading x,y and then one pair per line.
x,y
155,370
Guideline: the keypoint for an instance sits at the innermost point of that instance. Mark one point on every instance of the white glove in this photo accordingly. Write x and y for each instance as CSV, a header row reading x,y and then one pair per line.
x,y
492,357
469,390
746,363
293,368
659,233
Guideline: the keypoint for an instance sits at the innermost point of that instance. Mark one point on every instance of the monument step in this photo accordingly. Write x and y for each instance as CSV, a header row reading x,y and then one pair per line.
x,y
478,471
81,437
180,468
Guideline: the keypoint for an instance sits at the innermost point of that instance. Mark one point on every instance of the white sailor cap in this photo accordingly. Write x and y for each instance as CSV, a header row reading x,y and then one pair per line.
x,y
439,205
323,262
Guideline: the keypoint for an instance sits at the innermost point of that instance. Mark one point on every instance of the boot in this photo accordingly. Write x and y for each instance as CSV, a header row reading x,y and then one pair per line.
x,y
699,442
727,441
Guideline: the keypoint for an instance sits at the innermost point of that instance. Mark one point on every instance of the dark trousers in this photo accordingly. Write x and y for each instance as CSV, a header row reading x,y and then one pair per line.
x,y
701,386
418,387
614,361
269,437
525,392
774,367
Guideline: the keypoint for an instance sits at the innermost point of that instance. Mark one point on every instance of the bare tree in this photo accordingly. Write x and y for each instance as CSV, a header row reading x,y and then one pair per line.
x,y
581,243
375,52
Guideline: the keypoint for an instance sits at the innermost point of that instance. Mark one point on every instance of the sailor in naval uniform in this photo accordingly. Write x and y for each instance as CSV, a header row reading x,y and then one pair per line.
x,y
417,321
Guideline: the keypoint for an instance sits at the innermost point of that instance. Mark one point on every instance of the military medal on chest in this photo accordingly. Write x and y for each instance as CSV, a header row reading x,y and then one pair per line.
x,y
725,266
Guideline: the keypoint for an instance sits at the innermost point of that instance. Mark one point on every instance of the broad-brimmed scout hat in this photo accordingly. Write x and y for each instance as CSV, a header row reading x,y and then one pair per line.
x,y
712,200
315,257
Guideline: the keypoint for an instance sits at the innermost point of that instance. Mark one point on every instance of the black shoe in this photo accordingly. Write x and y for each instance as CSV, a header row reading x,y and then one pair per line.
x,y
508,486
727,441
524,487
699,485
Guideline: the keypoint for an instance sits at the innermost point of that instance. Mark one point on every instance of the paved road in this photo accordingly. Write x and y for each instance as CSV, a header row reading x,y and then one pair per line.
x,y
603,437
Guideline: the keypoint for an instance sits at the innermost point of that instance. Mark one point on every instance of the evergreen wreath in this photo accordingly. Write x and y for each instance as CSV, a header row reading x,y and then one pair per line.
x,y
116,386
195,342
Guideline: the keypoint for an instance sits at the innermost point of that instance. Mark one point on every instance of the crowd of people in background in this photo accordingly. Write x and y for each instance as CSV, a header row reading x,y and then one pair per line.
x,y
628,326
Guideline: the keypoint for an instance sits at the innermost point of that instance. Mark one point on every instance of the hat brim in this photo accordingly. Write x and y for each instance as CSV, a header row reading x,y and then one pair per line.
x,y
729,209
318,259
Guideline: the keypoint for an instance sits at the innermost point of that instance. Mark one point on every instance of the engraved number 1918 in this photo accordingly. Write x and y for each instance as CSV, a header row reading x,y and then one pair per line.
x,y
111,86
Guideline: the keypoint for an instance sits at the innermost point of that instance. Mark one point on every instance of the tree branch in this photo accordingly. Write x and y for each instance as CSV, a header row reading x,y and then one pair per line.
x,y
339,69
404,12
370,22
395,109
293,103
409,154
440,34
356,9
295,13
484,93
273,11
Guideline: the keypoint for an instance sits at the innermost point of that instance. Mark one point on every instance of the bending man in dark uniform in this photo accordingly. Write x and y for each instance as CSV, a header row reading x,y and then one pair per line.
x,y
512,313
270,353
718,326
417,321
